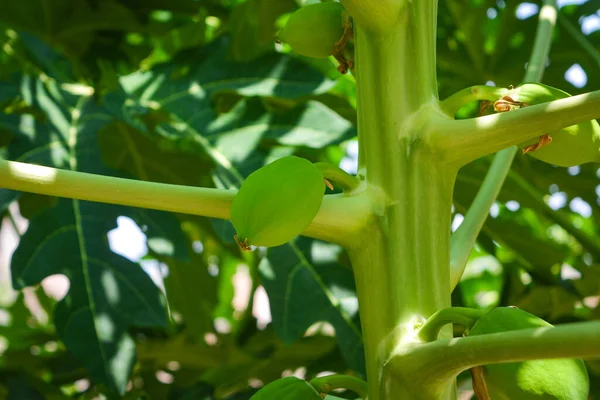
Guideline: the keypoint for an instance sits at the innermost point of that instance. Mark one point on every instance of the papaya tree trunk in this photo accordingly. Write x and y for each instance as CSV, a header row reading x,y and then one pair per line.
x,y
401,262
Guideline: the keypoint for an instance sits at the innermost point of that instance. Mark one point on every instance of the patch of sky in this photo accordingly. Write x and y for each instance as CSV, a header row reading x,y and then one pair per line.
x,y
576,76
581,207
527,10
557,200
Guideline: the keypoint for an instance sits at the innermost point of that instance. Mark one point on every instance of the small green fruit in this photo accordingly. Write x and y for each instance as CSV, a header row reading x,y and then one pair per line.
x,y
277,202
289,388
573,145
563,379
313,30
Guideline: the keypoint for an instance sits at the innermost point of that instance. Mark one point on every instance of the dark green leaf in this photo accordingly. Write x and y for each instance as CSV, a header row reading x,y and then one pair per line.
x,y
290,388
299,297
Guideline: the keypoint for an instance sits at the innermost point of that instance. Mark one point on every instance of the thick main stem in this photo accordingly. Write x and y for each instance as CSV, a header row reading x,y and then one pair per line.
x,y
401,271
401,263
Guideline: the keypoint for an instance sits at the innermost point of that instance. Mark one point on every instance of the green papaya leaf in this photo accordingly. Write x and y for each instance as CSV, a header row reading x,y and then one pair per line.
x,y
300,296
193,78
192,292
68,24
222,138
108,294
253,27
289,388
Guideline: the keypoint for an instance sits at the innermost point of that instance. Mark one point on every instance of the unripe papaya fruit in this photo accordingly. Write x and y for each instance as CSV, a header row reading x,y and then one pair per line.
x,y
563,379
277,202
573,145
314,29
289,388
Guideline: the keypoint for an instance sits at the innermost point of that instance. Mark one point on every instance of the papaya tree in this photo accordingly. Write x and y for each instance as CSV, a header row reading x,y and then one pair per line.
x,y
219,129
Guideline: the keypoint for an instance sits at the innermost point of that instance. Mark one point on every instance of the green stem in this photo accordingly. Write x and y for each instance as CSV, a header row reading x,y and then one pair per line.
x,y
453,315
543,42
402,270
326,384
83,186
439,362
464,238
463,141
347,182
401,260
331,223
474,93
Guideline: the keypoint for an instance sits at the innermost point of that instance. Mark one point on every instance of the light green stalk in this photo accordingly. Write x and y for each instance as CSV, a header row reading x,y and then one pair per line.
x,y
401,259
331,223
433,366
463,141
465,236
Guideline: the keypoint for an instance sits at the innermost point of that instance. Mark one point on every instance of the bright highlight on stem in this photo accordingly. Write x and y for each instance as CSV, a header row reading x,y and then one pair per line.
x,y
453,315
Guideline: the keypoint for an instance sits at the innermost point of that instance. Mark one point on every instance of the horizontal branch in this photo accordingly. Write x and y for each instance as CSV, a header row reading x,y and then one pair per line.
x,y
433,365
107,189
462,141
338,220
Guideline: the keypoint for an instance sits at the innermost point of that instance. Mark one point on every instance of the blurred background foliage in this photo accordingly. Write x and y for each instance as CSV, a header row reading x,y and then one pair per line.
x,y
164,306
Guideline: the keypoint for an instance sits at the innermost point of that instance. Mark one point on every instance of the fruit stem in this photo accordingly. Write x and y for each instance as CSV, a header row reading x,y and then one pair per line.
x,y
479,385
326,384
468,95
347,182
452,315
